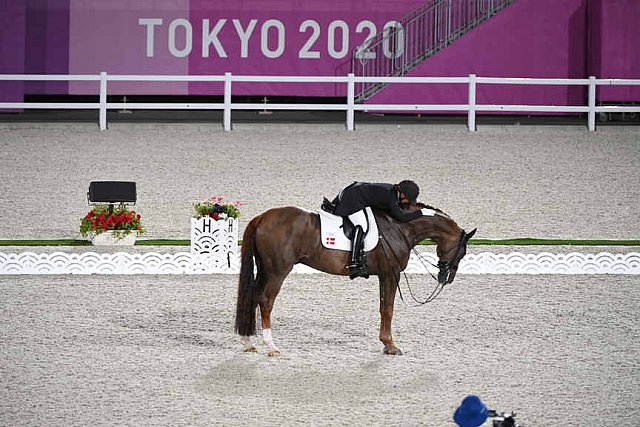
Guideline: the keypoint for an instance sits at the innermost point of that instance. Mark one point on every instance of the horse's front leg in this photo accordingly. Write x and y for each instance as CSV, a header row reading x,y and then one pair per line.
x,y
388,285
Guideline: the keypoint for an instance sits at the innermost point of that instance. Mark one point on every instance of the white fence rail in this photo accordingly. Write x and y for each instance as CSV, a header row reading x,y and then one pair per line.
x,y
471,107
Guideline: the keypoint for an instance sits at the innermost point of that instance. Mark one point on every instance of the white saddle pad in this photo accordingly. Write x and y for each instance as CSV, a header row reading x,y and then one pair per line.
x,y
333,237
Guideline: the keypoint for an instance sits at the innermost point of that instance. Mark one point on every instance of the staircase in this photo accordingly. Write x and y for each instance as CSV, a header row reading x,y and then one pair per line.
x,y
418,35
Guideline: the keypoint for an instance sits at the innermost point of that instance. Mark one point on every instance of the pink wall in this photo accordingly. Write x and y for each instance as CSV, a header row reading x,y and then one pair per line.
x,y
283,37
12,51
106,36
47,35
614,46
530,38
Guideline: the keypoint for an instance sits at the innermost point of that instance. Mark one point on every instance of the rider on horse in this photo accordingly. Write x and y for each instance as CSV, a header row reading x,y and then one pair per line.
x,y
278,239
351,203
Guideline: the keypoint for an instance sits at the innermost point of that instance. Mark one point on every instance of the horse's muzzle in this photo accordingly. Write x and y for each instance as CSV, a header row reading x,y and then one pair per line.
x,y
447,273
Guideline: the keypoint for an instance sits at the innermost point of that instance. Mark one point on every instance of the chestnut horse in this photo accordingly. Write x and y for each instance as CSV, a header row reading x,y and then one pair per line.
x,y
279,238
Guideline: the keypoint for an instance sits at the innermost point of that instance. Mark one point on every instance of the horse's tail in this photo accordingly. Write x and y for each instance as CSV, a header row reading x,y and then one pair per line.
x,y
248,284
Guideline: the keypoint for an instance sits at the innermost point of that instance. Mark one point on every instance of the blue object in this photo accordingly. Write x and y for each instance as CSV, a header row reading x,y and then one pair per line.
x,y
471,412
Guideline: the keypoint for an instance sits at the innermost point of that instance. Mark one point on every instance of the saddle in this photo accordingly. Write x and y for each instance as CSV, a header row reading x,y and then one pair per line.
x,y
336,231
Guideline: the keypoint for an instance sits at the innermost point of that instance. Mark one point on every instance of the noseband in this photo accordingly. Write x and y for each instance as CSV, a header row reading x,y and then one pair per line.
x,y
445,266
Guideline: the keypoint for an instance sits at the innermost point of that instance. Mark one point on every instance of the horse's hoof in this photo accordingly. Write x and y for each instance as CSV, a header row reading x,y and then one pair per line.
x,y
393,351
274,353
250,350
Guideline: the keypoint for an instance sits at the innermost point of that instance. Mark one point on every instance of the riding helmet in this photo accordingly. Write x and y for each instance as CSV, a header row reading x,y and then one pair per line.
x,y
410,189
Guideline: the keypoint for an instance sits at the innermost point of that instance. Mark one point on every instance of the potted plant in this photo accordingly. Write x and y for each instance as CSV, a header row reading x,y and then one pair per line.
x,y
214,227
109,225
217,209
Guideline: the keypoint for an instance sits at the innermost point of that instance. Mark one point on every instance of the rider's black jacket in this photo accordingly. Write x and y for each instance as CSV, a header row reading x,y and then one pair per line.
x,y
359,195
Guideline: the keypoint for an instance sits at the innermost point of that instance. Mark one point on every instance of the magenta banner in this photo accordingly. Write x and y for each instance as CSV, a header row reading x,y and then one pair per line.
x,y
12,48
313,38
614,38
519,41
107,36
205,37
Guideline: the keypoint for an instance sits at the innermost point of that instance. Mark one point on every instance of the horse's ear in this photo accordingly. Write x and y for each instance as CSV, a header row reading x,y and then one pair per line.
x,y
470,234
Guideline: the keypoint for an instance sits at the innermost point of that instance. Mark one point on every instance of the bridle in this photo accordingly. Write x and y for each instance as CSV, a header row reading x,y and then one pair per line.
x,y
444,267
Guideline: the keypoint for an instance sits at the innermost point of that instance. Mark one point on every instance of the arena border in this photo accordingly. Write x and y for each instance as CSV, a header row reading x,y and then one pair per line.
x,y
112,260
89,263
525,241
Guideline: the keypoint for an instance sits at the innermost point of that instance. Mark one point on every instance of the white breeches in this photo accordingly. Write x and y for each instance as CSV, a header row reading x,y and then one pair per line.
x,y
359,218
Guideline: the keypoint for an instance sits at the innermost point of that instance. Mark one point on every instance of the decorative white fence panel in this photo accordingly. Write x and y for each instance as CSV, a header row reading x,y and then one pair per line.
x,y
472,81
188,263
214,243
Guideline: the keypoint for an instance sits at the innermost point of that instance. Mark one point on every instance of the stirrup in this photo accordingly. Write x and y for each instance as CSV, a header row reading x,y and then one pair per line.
x,y
358,269
360,273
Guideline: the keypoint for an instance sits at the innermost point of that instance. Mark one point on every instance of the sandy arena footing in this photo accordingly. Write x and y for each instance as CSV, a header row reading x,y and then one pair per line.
x,y
157,350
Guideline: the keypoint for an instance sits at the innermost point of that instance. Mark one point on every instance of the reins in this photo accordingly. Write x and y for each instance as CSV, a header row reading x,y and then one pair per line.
x,y
434,293
439,266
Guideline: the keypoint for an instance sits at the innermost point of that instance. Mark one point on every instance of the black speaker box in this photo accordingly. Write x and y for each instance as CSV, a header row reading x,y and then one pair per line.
x,y
112,192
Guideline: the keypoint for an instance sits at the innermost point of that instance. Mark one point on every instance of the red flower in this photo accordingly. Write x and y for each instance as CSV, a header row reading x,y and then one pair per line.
x,y
102,218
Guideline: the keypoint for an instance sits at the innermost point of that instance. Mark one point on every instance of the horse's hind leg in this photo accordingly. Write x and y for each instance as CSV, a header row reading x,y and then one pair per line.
x,y
266,301
248,345
267,337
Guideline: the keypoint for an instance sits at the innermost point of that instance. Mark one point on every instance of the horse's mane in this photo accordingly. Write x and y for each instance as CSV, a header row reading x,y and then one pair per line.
x,y
420,205
411,207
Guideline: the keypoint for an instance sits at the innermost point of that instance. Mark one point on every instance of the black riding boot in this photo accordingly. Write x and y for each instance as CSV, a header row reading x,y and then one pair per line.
x,y
358,265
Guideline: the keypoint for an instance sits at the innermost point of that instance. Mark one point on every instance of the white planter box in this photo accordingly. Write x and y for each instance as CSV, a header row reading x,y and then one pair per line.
x,y
217,238
107,238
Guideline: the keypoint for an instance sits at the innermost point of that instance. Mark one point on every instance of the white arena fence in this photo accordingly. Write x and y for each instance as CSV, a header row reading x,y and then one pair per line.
x,y
422,263
471,108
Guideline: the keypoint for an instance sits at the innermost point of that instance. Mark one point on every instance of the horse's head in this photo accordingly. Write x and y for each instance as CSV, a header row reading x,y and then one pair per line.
x,y
450,239
450,253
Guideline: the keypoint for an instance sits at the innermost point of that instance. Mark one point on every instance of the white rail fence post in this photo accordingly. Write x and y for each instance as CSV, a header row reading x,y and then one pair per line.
x,y
103,101
592,104
227,102
351,91
471,117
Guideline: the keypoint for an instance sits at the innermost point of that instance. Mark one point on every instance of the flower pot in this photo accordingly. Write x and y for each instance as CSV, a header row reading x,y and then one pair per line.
x,y
108,238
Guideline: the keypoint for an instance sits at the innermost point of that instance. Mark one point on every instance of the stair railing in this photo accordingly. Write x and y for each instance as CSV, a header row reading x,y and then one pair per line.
x,y
418,35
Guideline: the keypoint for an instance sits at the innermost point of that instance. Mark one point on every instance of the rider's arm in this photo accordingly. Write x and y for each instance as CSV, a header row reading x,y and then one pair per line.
x,y
401,215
